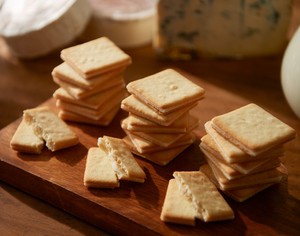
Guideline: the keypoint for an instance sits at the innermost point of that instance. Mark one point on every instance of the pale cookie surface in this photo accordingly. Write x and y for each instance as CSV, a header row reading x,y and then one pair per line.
x,y
124,163
231,153
176,208
133,105
47,125
81,93
239,195
166,91
265,177
253,129
25,140
146,146
92,113
203,195
93,102
209,145
98,170
66,73
164,139
230,173
95,57
161,158
136,123
103,121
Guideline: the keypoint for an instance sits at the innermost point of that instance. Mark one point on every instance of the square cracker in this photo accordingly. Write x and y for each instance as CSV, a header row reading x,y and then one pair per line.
x,y
253,129
103,121
230,152
208,203
65,73
249,167
176,209
124,163
80,93
95,57
135,106
230,173
91,113
25,140
146,146
265,177
165,139
161,158
166,91
98,170
92,102
136,123
47,125
239,195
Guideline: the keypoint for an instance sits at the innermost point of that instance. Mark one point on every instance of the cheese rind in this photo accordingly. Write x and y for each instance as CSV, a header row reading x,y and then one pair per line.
x,y
35,28
127,23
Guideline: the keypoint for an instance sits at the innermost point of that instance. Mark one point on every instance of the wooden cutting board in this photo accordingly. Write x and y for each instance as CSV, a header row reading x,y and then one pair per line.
x,y
134,208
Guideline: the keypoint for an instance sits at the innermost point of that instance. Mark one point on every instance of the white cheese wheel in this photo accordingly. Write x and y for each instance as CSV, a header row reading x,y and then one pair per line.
x,y
33,28
128,23
290,73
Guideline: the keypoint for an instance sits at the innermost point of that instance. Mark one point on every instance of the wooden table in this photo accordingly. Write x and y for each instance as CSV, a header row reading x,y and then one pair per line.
x,y
229,84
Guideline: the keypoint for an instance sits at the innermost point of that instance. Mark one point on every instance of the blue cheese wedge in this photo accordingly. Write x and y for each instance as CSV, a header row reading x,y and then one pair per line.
x,y
218,28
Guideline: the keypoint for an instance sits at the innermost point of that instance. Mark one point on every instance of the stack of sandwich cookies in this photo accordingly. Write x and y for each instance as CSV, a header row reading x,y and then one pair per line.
x,y
110,162
91,82
192,195
159,125
242,148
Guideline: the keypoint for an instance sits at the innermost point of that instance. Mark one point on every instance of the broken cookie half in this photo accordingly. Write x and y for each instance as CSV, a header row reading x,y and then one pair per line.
x,y
123,162
202,197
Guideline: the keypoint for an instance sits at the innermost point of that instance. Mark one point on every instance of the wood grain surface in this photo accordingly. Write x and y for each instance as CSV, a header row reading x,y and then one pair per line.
x,y
134,208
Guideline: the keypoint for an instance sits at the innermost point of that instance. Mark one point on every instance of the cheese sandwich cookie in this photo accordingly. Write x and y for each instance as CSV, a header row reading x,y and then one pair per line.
x,y
47,125
123,162
91,113
208,203
209,145
133,105
176,209
136,123
65,73
239,195
265,177
98,170
146,146
95,57
92,102
25,140
166,91
164,139
231,173
253,129
161,158
232,153
80,93
103,121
